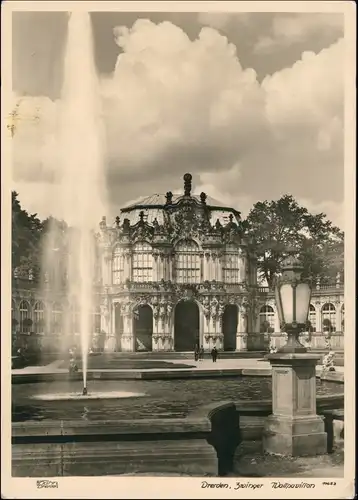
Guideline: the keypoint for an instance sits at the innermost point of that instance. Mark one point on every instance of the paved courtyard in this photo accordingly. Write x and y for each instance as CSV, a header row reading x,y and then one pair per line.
x,y
205,364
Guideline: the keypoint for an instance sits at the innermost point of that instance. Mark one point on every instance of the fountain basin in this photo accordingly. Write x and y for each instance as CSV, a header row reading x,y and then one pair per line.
x,y
139,399
69,396
155,446
168,429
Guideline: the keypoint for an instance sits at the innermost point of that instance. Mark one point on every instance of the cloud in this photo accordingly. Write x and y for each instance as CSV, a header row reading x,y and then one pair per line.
x,y
288,29
34,137
309,97
220,20
174,105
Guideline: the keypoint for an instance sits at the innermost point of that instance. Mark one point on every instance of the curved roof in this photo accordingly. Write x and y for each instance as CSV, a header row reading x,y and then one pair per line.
x,y
153,206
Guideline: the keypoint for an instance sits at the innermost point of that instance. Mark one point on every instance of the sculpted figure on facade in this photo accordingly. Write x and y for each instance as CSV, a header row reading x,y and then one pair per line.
x,y
214,308
206,307
162,308
155,308
221,308
169,309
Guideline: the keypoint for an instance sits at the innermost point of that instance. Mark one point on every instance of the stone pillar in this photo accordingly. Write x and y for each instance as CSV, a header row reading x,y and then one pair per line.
x,y
161,264
155,267
205,321
215,268
156,329
165,267
219,263
170,265
168,341
218,338
128,337
162,328
241,336
206,264
127,271
207,331
338,317
318,318
294,428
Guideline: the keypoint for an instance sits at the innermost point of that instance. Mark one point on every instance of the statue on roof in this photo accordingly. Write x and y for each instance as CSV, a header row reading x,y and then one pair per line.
x,y
126,225
203,198
169,198
187,184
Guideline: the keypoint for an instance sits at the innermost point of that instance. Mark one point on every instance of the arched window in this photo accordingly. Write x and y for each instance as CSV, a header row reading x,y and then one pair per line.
x,y
25,320
342,318
187,262
267,319
328,317
39,317
231,265
142,267
118,266
312,318
56,318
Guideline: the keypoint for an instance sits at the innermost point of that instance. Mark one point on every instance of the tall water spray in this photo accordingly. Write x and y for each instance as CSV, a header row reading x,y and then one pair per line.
x,y
80,178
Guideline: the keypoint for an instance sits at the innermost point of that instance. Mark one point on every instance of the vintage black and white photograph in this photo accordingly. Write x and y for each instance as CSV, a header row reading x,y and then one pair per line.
x,y
176,246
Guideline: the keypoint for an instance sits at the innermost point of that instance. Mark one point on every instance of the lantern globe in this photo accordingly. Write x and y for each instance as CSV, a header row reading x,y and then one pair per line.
x,y
293,296
303,299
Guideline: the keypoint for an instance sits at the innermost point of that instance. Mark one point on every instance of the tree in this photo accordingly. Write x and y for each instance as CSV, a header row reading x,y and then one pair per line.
x,y
274,226
30,237
26,234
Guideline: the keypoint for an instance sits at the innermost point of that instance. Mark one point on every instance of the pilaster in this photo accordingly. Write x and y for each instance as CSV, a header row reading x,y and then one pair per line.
x,y
127,271
318,316
162,339
241,336
338,316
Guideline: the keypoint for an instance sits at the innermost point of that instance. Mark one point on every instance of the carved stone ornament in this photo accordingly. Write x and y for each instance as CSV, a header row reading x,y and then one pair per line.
x,y
232,300
221,308
185,292
214,308
155,311
186,222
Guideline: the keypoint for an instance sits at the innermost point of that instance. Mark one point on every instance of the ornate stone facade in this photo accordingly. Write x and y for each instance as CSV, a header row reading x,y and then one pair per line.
x,y
175,271
183,250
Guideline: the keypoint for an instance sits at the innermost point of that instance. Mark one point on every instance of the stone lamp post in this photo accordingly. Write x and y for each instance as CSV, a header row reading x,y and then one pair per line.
x,y
294,428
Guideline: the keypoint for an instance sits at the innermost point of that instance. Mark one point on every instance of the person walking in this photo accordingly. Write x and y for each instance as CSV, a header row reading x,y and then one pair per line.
x,y
214,354
196,353
201,353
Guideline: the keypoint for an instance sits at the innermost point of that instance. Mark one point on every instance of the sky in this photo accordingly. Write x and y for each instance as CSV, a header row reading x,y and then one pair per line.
x,y
250,103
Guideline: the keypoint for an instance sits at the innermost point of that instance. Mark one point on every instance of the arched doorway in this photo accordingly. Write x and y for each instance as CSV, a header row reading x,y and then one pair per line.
x,y
143,328
186,326
118,325
229,325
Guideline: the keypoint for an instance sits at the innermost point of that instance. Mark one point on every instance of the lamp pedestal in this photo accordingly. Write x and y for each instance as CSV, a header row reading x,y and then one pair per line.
x,y
294,428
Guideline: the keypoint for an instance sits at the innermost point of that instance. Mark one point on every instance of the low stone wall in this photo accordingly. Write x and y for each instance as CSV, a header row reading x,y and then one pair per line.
x,y
112,448
203,444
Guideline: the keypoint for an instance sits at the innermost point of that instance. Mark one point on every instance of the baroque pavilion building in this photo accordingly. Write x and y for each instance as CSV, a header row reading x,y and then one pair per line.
x,y
175,272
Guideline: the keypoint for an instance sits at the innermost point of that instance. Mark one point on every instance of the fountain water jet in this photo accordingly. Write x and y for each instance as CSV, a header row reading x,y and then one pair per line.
x,y
80,178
